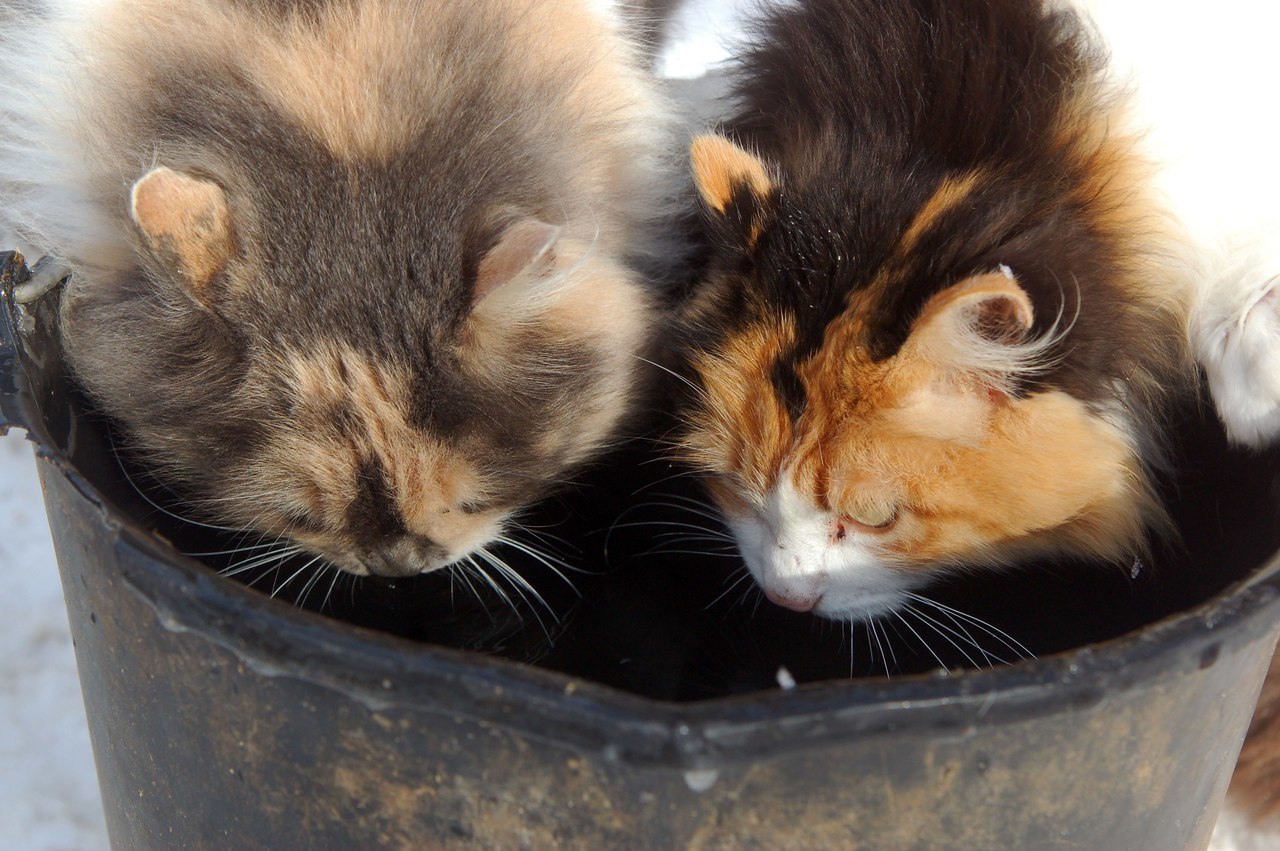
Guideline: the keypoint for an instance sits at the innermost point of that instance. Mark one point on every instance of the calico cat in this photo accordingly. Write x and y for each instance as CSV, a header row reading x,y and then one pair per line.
x,y
944,320
359,274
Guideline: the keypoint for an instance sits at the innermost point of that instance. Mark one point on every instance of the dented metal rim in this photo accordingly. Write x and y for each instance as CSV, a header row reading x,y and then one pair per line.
x,y
381,671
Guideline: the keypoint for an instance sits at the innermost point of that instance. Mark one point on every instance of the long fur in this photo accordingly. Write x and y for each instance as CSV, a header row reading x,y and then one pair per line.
x,y
334,377
913,147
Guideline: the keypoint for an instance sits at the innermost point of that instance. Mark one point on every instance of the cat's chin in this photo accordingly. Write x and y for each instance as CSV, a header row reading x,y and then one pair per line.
x,y
860,609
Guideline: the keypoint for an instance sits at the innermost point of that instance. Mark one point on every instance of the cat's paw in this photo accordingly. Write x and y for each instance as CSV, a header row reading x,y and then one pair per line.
x,y
1236,335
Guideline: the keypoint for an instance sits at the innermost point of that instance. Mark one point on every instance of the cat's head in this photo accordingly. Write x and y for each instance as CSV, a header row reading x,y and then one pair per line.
x,y
852,472
384,388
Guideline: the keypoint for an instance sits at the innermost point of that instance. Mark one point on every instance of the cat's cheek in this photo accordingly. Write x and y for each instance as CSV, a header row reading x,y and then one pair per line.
x,y
466,536
751,537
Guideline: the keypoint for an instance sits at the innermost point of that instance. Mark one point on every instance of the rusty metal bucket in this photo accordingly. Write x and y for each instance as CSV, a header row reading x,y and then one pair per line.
x,y
222,718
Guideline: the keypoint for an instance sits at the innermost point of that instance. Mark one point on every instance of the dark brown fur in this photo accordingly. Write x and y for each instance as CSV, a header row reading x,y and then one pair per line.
x,y
888,155
869,110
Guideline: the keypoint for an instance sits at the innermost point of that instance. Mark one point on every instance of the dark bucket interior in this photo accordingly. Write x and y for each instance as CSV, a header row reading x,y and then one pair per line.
x,y
650,713
643,593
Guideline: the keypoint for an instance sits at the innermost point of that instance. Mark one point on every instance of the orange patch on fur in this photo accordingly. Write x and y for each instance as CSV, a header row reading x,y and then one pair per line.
x,y
1046,462
186,220
950,194
721,168
741,427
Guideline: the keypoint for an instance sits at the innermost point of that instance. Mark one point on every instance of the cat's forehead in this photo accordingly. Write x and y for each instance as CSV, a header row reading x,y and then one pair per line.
x,y
335,370
351,397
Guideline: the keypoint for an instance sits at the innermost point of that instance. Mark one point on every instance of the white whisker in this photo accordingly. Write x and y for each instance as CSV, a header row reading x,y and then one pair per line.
x,y
546,559
337,574
527,593
1000,635
875,636
661,523
690,506
129,478
260,560
520,584
662,551
294,576
746,575
920,638
942,630
311,583
234,550
683,474
460,569
701,392
492,583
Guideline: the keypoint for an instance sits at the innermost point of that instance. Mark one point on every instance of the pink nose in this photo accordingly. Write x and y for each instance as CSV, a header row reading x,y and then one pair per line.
x,y
796,602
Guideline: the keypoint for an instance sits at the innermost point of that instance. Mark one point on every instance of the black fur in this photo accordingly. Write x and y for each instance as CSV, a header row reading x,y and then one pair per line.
x,y
863,108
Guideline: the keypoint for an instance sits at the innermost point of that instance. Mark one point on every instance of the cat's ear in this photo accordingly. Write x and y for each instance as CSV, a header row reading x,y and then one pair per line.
x,y
734,185
525,252
187,224
979,328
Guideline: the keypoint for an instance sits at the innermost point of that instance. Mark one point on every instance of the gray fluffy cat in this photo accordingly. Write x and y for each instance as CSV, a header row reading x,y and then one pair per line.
x,y
360,274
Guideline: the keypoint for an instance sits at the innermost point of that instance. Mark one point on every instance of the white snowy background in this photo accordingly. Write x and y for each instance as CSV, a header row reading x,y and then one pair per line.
x,y
48,789
1210,86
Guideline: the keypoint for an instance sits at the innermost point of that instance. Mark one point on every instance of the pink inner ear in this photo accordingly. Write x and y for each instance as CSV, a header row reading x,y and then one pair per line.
x,y
1001,317
977,327
525,248
187,222
992,306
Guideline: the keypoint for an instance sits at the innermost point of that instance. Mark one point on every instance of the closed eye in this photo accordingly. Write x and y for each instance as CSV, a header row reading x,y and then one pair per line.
x,y
869,520
478,506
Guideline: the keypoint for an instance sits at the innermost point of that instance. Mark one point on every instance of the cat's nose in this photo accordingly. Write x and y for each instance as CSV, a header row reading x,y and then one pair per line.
x,y
386,563
793,599
791,583
407,555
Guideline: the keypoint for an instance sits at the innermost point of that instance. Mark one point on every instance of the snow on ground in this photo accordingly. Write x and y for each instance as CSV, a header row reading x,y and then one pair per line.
x,y
48,788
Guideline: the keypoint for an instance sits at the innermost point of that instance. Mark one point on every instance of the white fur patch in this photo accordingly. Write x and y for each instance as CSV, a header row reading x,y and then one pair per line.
x,y
791,552
1202,83
1235,331
44,175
